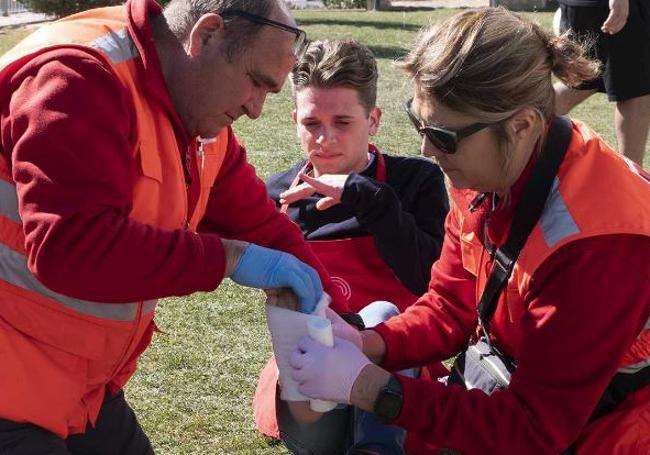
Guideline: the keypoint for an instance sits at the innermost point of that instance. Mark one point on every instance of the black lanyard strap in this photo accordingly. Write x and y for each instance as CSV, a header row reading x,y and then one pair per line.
x,y
527,213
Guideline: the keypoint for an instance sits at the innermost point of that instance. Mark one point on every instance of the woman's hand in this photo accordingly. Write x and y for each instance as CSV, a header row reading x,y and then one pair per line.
x,y
327,373
342,329
329,185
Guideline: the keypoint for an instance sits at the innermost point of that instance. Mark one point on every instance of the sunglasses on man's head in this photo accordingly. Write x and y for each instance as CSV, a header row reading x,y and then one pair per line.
x,y
299,45
444,139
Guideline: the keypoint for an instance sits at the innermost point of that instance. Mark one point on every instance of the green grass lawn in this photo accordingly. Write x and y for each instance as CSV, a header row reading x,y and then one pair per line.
x,y
194,387
10,36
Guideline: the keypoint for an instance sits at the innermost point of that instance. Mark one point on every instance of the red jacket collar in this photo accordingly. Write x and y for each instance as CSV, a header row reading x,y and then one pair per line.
x,y
139,16
500,218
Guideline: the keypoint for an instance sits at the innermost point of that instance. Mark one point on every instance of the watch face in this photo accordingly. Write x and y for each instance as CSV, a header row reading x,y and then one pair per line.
x,y
389,401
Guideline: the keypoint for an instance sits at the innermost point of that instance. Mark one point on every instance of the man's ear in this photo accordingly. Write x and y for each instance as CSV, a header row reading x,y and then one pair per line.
x,y
375,117
208,31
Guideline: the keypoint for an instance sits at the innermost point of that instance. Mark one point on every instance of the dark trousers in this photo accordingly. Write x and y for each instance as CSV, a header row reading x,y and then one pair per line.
x,y
117,432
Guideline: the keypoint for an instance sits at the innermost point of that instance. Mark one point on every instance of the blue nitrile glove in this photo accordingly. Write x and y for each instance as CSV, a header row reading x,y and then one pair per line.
x,y
265,268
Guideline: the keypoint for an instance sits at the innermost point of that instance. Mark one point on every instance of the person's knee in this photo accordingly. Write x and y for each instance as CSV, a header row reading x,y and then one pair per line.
x,y
27,439
326,436
116,430
373,435
638,107
378,312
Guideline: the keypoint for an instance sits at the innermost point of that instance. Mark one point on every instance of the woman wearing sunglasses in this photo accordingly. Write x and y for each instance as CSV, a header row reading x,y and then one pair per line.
x,y
572,320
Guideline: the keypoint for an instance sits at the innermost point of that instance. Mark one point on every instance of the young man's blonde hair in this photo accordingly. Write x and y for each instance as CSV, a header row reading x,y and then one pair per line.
x,y
338,63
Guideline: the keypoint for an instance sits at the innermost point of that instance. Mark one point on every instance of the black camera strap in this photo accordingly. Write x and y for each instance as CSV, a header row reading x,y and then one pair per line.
x,y
527,213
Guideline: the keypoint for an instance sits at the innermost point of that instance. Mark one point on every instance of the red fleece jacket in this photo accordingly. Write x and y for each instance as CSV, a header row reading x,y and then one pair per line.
x,y
585,305
65,125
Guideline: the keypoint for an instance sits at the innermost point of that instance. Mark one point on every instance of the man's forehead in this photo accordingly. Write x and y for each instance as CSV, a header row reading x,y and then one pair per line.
x,y
283,16
275,39
269,66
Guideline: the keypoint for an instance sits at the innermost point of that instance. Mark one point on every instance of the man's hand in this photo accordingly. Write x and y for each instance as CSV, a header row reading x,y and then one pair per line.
x,y
264,268
327,373
618,13
329,185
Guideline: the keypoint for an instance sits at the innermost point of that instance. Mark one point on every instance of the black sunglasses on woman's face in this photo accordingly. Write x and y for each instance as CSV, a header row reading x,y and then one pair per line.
x,y
299,45
444,139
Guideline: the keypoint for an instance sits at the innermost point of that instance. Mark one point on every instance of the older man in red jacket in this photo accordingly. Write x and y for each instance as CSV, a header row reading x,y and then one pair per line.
x,y
121,182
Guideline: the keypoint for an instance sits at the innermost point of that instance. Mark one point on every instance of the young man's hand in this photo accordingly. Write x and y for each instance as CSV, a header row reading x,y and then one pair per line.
x,y
329,185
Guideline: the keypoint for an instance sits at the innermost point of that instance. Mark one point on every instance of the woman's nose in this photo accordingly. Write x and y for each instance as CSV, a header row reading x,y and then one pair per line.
x,y
427,149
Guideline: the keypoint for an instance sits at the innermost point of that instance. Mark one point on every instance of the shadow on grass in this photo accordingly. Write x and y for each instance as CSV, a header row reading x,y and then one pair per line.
x,y
391,52
381,25
412,9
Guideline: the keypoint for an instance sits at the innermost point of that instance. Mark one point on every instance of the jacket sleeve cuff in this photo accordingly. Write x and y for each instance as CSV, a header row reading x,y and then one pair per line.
x,y
413,391
212,273
359,190
390,356
375,205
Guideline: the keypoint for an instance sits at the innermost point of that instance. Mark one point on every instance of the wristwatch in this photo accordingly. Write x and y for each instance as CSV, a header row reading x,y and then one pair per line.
x,y
389,401
354,319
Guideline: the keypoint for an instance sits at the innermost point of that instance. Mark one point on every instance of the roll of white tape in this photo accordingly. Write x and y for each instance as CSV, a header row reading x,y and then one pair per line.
x,y
320,329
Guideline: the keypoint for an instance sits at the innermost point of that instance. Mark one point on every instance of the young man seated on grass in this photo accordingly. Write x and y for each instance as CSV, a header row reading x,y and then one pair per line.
x,y
374,220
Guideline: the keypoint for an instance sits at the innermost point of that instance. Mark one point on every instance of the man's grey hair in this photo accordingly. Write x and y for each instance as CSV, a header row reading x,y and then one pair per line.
x,y
181,15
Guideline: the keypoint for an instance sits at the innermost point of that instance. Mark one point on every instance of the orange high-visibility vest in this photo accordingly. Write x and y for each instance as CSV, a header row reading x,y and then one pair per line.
x,y
59,353
596,192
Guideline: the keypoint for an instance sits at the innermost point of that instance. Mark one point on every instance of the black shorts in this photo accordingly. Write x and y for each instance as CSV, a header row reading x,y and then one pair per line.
x,y
625,55
116,432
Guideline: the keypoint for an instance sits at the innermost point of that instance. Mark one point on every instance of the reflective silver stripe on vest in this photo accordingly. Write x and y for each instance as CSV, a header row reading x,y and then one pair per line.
x,y
631,369
117,45
13,269
556,221
9,201
632,166
149,306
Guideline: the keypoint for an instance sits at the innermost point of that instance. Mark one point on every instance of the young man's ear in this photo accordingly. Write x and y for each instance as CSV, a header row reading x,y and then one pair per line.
x,y
374,117
294,116
208,31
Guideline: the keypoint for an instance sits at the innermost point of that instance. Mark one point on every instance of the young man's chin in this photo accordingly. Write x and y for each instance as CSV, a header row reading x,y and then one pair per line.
x,y
326,166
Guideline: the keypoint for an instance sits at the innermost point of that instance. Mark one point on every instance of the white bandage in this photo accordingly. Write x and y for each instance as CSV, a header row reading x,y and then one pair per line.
x,y
287,327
